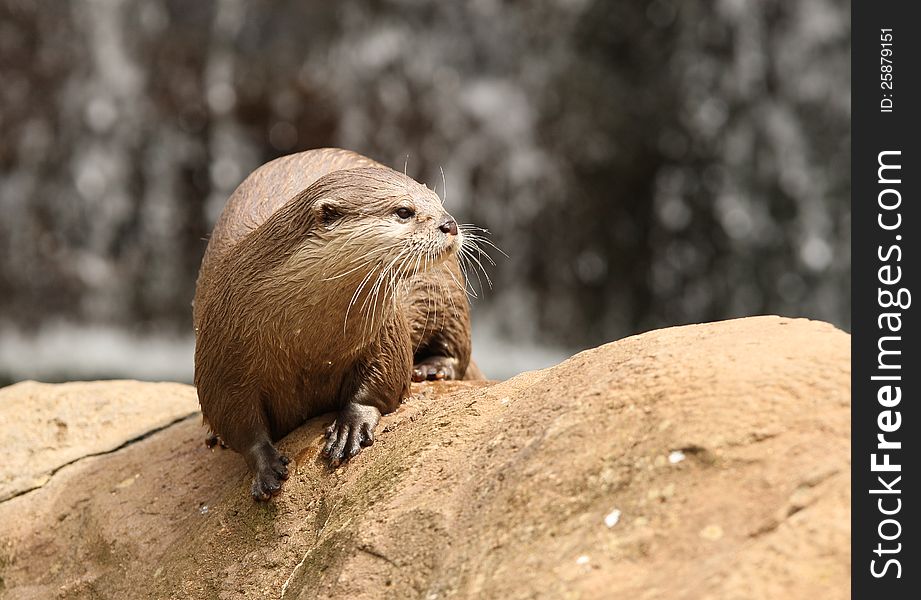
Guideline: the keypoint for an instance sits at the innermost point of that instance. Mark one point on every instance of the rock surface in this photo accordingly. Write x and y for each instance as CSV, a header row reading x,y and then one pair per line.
x,y
708,461
46,426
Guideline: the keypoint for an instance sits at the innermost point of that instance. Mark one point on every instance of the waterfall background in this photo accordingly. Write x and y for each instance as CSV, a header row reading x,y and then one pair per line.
x,y
643,164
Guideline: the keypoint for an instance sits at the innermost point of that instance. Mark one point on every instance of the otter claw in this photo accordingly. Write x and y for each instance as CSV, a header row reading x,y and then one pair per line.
x,y
214,440
271,470
352,431
434,368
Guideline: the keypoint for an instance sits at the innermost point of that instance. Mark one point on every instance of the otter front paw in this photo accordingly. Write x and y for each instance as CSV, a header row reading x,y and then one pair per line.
x,y
352,430
434,368
271,469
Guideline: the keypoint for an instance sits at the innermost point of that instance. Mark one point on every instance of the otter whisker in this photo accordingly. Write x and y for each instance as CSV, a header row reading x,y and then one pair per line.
x,y
395,278
397,269
358,267
480,238
444,187
413,277
402,266
375,257
480,252
440,284
477,266
444,292
462,263
416,265
430,255
355,296
370,258
474,243
369,305
423,259
447,309
431,305
336,256
476,237
476,262
456,283
358,289
469,258
472,254
385,271
372,299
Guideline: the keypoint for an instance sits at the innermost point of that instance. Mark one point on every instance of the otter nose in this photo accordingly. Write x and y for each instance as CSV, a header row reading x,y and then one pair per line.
x,y
449,226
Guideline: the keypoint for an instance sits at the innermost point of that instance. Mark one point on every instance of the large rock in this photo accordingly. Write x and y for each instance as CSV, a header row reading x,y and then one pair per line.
x,y
709,461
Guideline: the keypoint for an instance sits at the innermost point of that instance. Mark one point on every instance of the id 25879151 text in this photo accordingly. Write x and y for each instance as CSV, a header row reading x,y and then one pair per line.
x,y
886,81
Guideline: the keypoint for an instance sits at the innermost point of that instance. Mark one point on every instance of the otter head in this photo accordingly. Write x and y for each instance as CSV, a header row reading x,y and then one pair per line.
x,y
380,217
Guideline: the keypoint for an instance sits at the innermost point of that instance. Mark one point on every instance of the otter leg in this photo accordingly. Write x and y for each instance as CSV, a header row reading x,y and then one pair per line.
x,y
269,467
238,421
375,387
445,353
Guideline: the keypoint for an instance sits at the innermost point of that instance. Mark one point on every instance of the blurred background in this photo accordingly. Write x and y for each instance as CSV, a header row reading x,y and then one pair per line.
x,y
642,163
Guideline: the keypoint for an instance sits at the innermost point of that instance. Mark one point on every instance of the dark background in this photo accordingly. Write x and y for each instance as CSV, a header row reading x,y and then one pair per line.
x,y
879,268
643,164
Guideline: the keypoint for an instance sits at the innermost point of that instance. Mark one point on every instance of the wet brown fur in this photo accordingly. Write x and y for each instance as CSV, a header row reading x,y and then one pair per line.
x,y
273,345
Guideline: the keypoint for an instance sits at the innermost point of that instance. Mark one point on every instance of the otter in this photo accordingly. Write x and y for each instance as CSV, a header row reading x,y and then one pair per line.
x,y
329,283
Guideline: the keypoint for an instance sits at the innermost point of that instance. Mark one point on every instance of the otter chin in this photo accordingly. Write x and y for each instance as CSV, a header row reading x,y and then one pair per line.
x,y
330,282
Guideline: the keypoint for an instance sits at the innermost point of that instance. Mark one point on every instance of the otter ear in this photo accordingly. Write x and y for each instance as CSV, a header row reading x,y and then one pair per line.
x,y
328,211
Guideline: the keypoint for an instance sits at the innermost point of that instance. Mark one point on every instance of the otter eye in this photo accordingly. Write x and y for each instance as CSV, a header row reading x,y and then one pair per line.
x,y
404,213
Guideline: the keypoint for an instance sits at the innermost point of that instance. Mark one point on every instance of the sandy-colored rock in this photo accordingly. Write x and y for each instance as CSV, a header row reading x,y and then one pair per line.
x,y
709,461
45,426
